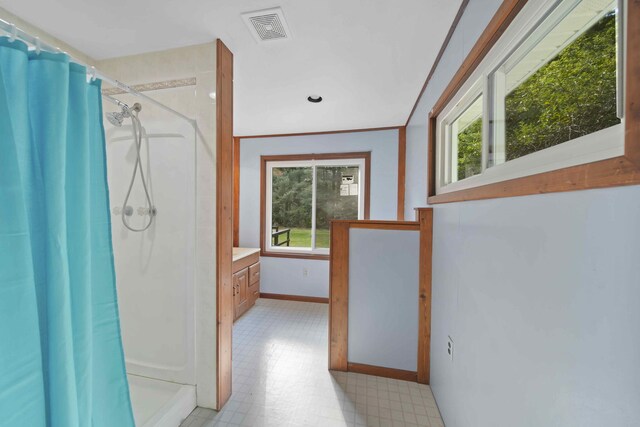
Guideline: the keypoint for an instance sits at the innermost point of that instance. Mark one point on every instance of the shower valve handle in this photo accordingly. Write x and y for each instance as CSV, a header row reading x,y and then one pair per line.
x,y
147,211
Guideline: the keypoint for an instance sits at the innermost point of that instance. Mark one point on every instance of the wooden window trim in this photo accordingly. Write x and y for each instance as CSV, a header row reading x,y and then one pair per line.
x,y
617,171
366,156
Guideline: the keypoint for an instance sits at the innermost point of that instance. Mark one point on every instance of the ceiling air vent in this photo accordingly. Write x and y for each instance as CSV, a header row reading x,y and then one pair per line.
x,y
267,25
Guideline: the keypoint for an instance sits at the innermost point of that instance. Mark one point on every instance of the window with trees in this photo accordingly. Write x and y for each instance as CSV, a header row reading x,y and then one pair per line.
x,y
548,95
304,193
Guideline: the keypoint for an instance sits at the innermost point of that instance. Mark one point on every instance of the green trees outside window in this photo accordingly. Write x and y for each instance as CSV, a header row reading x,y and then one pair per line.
x,y
572,95
337,190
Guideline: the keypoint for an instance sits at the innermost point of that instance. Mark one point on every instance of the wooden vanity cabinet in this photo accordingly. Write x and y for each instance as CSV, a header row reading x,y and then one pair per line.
x,y
246,284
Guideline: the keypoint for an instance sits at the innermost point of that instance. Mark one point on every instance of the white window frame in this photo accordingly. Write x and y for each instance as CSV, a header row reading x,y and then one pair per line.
x,y
449,153
603,144
360,163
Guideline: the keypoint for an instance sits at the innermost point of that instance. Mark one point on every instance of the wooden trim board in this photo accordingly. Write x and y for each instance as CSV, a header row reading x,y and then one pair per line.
x,y
402,168
339,296
294,255
299,298
379,224
236,192
425,219
617,171
632,84
379,371
316,156
280,135
224,220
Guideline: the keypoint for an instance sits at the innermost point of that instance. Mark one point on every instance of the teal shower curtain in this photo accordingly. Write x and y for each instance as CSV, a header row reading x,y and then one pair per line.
x,y
61,358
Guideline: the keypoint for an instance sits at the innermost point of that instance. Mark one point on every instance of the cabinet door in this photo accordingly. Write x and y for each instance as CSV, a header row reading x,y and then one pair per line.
x,y
242,291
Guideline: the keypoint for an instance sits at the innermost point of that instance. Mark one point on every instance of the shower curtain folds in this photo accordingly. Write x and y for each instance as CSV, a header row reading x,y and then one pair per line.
x,y
61,358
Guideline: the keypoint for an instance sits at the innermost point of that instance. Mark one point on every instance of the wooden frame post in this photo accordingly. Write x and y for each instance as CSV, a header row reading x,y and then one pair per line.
x,y
224,220
425,219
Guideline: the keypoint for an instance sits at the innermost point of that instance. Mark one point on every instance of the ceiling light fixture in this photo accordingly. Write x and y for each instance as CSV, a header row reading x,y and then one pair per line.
x,y
314,99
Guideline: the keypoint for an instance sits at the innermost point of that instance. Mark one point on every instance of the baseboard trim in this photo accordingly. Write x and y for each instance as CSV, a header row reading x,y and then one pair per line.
x,y
379,371
301,298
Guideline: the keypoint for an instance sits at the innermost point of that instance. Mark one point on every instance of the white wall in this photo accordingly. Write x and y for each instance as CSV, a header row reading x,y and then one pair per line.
x,y
155,268
283,275
540,293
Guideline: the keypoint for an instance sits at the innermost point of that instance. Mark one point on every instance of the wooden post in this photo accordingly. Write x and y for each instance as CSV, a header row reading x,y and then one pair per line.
x,y
425,219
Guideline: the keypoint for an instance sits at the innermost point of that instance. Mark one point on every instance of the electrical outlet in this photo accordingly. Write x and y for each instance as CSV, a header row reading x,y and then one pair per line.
x,y
305,272
450,348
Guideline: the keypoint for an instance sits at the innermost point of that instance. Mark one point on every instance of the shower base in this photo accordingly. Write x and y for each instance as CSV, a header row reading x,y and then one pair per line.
x,y
159,403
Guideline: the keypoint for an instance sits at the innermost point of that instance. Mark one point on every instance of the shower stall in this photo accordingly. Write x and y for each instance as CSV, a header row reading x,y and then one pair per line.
x,y
155,156
160,146
150,170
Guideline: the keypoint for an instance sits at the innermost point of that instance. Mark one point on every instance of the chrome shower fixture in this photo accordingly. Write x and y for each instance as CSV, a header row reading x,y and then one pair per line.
x,y
117,118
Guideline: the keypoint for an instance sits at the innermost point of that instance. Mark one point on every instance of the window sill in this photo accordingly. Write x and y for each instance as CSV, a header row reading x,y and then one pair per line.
x,y
601,174
295,255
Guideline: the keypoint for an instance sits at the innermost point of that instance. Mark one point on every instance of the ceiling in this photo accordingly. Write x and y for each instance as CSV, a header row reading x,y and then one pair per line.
x,y
368,59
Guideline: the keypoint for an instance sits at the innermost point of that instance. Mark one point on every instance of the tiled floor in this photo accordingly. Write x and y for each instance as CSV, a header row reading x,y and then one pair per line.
x,y
280,378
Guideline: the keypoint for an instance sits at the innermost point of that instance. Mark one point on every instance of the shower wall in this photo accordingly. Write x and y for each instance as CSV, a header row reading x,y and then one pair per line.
x,y
166,275
154,268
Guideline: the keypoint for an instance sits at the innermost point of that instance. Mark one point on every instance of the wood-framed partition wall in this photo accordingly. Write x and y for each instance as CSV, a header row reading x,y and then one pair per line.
x,y
616,171
339,296
224,220
402,144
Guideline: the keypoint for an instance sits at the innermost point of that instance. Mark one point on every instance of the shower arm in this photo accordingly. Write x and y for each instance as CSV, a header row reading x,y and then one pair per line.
x,y
116,101
17,33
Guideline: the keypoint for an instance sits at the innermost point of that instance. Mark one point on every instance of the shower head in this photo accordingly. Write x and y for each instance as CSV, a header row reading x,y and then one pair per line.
x,y
117,118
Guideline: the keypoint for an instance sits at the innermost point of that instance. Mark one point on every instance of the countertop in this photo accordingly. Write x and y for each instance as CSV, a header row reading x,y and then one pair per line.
x,y
239,253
